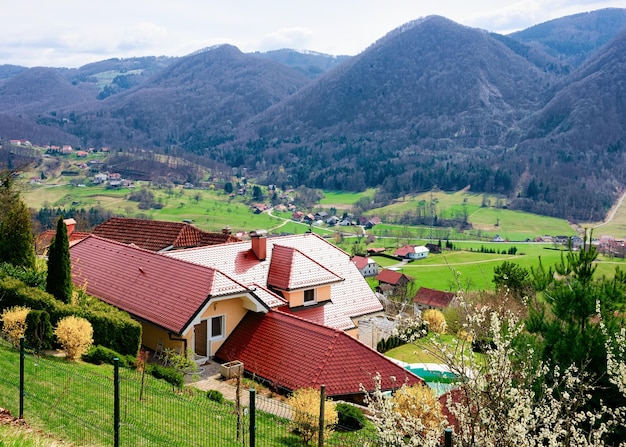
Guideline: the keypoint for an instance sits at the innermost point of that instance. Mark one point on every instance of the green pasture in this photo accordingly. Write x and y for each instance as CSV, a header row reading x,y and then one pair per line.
x,y
473,270
342,198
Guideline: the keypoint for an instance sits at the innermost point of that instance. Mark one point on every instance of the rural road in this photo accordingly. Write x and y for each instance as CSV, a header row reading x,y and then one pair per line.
x,y
612,212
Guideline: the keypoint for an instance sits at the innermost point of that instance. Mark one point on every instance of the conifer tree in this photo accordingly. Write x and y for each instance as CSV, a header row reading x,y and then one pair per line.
x,y
17,243
59,280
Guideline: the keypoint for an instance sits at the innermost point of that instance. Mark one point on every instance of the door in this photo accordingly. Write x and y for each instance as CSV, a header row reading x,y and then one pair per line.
x,y
200,338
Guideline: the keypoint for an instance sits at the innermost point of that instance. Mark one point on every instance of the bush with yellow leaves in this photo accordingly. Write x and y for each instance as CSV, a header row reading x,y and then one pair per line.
x,y
14,323
419,402
305,404
75,335
436,320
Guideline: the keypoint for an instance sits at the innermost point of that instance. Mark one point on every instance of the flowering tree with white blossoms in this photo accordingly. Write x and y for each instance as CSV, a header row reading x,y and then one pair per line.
x,y
503,398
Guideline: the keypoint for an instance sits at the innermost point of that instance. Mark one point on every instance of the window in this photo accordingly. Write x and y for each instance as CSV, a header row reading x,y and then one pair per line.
x,y
309,297
217,327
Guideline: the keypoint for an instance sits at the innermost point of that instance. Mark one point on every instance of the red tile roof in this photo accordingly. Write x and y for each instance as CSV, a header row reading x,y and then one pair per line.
x,y
404,251
391,277
296,353
43,241
360,262
433,298
350,298
291,269
165,291
155,235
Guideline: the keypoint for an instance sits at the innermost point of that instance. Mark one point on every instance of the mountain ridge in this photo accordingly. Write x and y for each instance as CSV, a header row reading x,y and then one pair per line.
x,y
431,103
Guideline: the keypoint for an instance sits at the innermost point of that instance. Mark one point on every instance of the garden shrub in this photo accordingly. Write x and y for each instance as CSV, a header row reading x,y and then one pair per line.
x,y
349,417
215,396
31,277
436,320
39,334
305,404
419,402
100,354
75,335
112,327
168,374
453,319
14,323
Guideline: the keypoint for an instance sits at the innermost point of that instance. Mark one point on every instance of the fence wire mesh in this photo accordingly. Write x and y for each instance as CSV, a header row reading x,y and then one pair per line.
x,y
76,402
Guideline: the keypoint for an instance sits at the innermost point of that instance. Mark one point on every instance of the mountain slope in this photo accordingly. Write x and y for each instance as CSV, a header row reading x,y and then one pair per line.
x,y
573,38
194,102
432,93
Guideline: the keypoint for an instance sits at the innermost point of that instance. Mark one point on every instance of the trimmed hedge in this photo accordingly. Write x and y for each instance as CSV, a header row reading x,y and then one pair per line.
x,y
349,417
112,327
39,334
170,375
99,355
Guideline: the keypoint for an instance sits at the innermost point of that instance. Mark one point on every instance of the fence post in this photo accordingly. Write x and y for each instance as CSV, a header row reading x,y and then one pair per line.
x,y
116,402
22,355
447,441
252,417
320,440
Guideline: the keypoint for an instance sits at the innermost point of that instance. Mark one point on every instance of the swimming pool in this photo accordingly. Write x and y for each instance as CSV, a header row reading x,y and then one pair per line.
x,y
435,377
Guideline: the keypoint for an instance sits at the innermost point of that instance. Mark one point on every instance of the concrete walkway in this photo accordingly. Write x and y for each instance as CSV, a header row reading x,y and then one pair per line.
x,y
211,379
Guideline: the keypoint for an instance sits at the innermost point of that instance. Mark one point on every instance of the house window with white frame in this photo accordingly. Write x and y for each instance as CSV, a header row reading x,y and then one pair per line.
x,y
217,327
309,297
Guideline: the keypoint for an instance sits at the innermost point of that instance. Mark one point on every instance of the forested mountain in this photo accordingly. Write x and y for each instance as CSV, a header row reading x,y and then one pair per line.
x,y
533,115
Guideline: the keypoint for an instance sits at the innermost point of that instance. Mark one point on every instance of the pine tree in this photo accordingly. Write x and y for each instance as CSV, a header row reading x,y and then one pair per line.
x,y
59,280
17,243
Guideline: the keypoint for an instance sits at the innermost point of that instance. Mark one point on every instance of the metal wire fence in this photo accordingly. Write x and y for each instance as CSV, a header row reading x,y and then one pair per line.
x,y
95,406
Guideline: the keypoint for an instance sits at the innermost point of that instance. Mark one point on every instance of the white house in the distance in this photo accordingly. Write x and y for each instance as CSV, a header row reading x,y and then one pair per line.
x,y
412,252
367,266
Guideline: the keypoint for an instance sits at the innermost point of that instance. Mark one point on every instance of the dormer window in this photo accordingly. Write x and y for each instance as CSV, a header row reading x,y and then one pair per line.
x,y
309,297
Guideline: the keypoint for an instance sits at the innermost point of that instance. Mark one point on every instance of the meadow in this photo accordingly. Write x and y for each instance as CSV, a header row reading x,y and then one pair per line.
x,y
464,267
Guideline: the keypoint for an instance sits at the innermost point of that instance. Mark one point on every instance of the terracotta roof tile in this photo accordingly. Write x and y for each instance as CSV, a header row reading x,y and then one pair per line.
x,y
163,290
350,298
433,298
155,235
390,276
291,269
296,353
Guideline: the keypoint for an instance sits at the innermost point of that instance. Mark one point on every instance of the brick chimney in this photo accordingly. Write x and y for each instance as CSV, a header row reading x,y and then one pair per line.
x,y
259,244
227,230
69,224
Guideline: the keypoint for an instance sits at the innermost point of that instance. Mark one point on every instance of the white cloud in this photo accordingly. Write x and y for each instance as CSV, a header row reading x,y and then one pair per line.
x,y
297,38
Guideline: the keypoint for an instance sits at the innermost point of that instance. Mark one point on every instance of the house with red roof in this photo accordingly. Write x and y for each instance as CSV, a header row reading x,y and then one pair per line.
x,y
155,235
290,353
411,252
367,266
43,241
426,298
288,307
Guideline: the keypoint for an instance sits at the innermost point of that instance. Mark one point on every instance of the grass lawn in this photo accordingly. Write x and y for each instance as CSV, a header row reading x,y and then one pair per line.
x,y
420,351
74,402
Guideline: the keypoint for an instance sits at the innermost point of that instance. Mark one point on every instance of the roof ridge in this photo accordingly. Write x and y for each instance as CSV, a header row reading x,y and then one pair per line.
x,y
327,357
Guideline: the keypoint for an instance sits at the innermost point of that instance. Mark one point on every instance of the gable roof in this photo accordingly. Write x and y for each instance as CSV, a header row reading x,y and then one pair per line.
x,y
297,353
43,241
391,277
155,235
433,298
350,298
291,269
360,261
165,291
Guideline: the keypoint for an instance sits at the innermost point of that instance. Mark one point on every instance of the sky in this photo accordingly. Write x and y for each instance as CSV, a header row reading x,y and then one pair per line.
x,y
71,33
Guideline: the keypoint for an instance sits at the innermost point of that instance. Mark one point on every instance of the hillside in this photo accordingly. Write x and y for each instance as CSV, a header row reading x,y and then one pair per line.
x,y
432,103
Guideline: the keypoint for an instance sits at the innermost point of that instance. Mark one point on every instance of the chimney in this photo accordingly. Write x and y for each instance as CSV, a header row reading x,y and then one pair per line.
x,y
226,230
69,224
259,244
